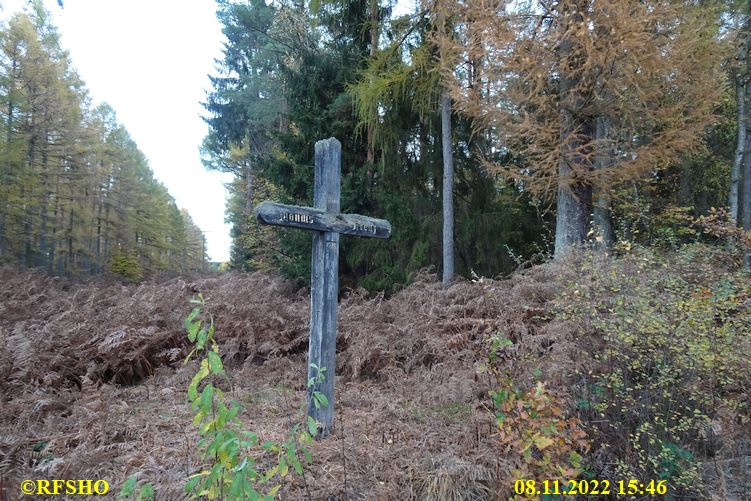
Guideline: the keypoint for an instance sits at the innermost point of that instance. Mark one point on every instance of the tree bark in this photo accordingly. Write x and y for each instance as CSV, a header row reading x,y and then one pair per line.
x,y
746,170
448,190
574,208
740,96
370,155
602,214
686,185
746,185
574,205
746,197
249,190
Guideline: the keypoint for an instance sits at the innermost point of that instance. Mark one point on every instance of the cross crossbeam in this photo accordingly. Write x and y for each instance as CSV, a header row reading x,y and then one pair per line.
x,y
309,218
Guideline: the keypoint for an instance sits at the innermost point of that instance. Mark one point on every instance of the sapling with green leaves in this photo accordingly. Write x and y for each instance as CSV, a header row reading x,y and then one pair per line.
x,y
241,465
319,399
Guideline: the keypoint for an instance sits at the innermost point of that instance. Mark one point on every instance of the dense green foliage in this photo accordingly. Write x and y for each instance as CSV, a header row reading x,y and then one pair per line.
x,y
289,79
291,76
76,194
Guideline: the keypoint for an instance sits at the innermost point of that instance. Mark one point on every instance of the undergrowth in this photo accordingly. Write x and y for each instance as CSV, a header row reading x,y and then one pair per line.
x,y
534,430
241,466
668,337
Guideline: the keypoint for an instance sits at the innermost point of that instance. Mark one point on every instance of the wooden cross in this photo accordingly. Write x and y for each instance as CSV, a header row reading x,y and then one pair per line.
x,y
327,223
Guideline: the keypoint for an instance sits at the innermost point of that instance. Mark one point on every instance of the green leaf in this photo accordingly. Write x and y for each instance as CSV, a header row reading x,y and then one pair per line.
x,y
274,490
197,419
312,426
129,487
192,315
146,493
39,446
193,330
575,459
201,339
187,359
219,394
269,474
192,483
207,426
227,443
207,396
197,378
320,400
297,466
215,363
193,390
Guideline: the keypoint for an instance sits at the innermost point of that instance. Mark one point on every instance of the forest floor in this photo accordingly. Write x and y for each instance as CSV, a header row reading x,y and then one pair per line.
x,y
93,386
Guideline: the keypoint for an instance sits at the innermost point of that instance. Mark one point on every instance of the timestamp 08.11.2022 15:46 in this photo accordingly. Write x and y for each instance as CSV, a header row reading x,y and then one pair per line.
x,y
589,487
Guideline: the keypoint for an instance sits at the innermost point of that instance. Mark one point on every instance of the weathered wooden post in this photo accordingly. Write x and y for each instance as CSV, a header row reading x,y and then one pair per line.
x,y
327,223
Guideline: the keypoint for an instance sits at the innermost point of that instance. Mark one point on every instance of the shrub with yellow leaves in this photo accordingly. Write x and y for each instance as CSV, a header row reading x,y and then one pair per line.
x,y
533,428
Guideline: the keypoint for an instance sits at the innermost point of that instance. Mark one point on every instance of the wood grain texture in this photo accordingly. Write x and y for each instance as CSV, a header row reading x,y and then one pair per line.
x,y
309,218
324,289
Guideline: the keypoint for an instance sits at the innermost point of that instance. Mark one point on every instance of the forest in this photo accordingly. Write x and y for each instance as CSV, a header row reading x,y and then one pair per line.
x,y
562,310
554,122
77,197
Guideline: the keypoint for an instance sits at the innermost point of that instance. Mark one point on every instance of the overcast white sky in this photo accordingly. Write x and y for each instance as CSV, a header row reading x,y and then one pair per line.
x,y
149,59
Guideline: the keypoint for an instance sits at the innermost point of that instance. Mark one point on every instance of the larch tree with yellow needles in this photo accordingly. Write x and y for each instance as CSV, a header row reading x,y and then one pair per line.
x,y
587,93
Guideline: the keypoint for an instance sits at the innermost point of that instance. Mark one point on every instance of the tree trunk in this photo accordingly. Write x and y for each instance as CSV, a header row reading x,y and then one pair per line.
x,y
746,171
370,156
53,234
98,243
573,211
249,190
602,215
69,258
44,237
448,190
746,186
685,185
746,195
740,96
574,207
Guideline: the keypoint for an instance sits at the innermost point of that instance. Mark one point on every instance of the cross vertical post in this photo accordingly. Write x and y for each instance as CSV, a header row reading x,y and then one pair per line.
x,y
324,285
